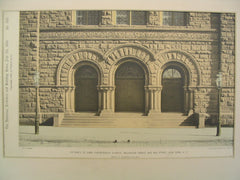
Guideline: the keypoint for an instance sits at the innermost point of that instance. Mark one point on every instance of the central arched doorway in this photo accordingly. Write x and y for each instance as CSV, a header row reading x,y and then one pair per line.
x,y
86,94
129,94
172,92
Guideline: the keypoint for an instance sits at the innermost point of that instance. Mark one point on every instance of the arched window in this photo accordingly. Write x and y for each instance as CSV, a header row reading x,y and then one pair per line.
x,y
171,73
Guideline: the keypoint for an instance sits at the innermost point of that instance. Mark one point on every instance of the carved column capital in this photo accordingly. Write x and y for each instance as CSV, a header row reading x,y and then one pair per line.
x,y
66,88
192,89
153,88
105,88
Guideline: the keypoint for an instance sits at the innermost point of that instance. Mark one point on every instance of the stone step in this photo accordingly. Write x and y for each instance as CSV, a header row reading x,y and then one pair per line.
x,y
127,120
88,125
128,123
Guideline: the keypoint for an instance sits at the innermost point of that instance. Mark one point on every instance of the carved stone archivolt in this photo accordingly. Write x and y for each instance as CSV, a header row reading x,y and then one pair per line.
x,y
130,70
185,60
108,63
73,58
136,51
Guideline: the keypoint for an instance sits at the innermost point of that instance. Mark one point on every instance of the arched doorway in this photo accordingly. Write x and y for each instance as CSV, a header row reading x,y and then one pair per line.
x,y
172,92
86,94
129,94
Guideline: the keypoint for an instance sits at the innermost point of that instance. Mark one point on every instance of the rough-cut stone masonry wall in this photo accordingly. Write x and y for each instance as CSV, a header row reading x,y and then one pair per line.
x,y
200,20
27,98
227,39
27,60
27,47
52,100
206,100
55,19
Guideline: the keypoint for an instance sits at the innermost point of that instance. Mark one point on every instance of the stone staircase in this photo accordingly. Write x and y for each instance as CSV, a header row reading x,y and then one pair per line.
x,y
127,120
171,120
88,120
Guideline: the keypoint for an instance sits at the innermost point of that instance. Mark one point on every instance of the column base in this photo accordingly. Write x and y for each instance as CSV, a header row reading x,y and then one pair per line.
x,y
201,120
69,111
57,119
154,113
190,112
106,113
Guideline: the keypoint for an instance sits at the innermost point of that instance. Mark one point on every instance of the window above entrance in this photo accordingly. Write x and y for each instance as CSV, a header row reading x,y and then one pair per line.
x,y
174,18
171,73
87,17
130,18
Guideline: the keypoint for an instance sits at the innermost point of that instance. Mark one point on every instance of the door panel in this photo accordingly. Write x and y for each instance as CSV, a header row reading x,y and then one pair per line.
x,y
172,95
86,94
130,95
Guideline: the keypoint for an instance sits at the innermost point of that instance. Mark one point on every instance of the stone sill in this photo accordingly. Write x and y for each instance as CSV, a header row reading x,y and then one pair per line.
x,y
129,28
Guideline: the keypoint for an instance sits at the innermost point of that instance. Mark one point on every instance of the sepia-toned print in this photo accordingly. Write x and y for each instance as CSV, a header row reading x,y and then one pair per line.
x,y
127,78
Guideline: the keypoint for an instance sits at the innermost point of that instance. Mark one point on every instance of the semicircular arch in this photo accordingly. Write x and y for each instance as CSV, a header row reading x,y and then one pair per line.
x,y
185,60
129,50
117,64
73,58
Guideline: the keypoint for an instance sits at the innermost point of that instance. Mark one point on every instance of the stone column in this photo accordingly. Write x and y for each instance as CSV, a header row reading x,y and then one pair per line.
x,y
186,100
154,99
106,100
191,101
146,101
67,108
72,99
69,99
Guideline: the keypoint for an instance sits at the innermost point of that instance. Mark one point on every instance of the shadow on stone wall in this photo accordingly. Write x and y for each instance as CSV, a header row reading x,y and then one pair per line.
x,y
48,122
190,121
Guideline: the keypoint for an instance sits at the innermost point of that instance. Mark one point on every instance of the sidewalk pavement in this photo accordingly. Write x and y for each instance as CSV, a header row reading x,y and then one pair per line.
x,y
124,137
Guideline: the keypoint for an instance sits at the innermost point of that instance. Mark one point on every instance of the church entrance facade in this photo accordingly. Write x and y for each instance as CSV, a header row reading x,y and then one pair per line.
x,y
132,83
112,62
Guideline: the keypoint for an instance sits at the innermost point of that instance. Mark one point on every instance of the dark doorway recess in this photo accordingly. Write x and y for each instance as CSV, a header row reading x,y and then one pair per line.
x,y
129,81
86,94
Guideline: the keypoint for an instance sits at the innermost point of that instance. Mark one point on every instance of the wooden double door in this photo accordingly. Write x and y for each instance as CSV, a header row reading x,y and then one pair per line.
x,y
172,92
129,94
86,94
